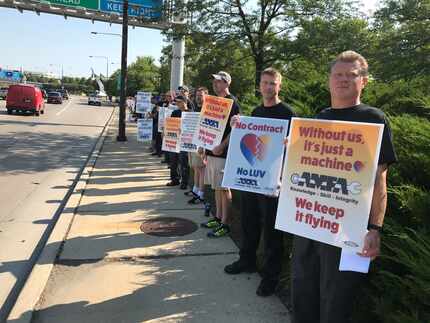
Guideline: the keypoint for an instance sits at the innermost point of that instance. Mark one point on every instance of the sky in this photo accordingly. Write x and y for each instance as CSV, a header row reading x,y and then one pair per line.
x,y
49,43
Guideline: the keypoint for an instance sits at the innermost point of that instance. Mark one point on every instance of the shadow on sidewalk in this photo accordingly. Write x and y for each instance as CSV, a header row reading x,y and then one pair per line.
x,y
165,291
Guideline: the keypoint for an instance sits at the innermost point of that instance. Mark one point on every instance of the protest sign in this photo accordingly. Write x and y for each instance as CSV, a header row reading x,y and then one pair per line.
x,y
171,135
255,153
213,120
143,102
144,130
328,179
190,121
163,113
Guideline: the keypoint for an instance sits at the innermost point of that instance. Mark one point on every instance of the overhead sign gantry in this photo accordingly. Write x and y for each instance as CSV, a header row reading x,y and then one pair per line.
x,y
155,14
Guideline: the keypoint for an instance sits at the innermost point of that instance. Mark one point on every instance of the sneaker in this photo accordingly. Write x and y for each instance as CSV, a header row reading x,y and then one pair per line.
x,y
211,224
183,186
267,287
207,209
221,231
154,153
172,183
240,266
190,193
195,200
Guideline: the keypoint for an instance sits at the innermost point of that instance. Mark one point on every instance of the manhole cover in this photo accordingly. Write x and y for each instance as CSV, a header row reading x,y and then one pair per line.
x,y
168,227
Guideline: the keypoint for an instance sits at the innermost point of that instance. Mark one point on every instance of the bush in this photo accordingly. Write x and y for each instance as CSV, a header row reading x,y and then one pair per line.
x,y
411,136
409,206
399,97
403,280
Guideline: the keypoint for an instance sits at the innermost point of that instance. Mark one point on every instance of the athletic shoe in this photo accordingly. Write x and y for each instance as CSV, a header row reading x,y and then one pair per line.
x,y
267,287
190,193
195,200
219,232
172,183
183,186
240,266
211,224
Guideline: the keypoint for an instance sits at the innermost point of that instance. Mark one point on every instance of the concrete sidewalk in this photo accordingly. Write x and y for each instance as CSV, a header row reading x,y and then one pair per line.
x,y
110,271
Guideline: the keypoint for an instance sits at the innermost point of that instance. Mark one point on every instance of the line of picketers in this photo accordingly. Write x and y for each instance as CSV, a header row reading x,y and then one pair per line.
x,y
319,291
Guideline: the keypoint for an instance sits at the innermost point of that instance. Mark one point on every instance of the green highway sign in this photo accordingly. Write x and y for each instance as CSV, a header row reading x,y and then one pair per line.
x,y
88,4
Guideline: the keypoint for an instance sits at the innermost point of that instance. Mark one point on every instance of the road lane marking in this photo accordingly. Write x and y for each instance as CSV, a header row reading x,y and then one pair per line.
x,y
63,109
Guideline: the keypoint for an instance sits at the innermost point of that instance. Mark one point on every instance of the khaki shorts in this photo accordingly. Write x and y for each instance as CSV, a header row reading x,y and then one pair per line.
x,y
195,160
214,172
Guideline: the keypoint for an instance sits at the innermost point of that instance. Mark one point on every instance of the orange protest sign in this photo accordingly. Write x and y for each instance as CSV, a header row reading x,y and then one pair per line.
x,y
328,180
213,120
172,132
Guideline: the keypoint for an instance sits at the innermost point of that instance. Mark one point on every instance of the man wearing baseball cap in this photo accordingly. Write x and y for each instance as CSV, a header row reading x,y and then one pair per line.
x,y
185,92
216,162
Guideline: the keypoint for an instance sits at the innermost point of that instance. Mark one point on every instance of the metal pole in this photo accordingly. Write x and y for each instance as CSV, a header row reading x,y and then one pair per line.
x,y
121,124
107,67
177,64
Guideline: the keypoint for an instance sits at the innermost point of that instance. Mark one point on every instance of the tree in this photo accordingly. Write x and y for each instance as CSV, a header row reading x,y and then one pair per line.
x,y
403,44
142,75
257,27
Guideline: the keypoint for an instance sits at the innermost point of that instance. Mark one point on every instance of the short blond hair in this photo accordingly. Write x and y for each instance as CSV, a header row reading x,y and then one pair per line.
x,y
272,72
350,56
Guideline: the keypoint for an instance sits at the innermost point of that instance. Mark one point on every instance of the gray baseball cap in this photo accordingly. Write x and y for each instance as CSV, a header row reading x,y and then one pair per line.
x,y
221,75
183,88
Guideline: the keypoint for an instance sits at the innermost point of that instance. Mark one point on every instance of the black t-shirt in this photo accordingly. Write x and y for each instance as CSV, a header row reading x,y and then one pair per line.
x,y
365,113
278,111
154,113
197,108
177,113
190,105
235,109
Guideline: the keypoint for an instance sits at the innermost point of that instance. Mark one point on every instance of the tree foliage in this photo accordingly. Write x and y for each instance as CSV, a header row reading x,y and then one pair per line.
x,y
142,75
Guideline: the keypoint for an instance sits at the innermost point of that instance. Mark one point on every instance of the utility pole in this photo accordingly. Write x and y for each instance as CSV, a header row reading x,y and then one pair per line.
x,y
178,50
121,124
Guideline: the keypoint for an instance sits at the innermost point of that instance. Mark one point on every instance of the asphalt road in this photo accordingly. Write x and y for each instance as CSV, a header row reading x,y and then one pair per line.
x,y
40,158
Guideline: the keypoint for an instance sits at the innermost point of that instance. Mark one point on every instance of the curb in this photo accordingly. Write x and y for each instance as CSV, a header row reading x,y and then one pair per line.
x,y
22,311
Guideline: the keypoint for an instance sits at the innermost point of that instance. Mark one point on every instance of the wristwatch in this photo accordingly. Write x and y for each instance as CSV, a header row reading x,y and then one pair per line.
x,y
374,227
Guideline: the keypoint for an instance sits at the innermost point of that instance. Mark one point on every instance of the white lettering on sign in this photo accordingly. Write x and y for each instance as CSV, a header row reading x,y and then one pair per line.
x,y
74,2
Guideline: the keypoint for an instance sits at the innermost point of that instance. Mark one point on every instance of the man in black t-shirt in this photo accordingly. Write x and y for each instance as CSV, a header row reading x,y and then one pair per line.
x,y
214,170
181,174
320,292
258,211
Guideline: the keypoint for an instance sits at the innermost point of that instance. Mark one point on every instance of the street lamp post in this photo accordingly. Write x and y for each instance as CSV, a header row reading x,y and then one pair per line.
x,y
61,72
123,84
109,34
107,63
121,123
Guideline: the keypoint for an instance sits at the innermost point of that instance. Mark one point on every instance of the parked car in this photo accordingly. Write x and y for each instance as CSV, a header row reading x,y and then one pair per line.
x,y
64,93
25,98
55,97
94,99
3,93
